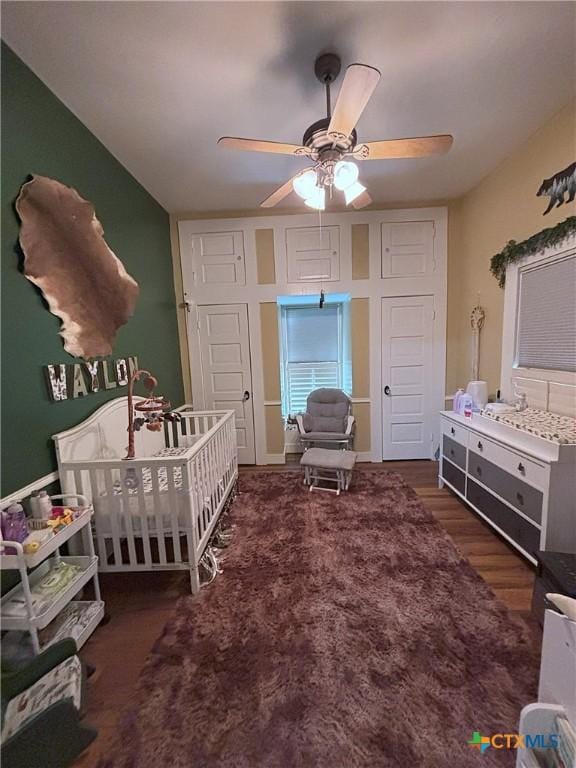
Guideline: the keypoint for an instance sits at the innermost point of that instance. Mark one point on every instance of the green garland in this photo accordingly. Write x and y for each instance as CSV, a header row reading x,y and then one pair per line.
x,y
514,251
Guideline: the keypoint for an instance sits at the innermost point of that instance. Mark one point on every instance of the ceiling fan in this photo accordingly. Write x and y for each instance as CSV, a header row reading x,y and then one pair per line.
x,y
332,142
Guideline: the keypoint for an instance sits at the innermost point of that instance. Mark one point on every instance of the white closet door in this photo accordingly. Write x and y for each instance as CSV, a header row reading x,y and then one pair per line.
x,y
218,259
313,253
407,248
226,371
407,355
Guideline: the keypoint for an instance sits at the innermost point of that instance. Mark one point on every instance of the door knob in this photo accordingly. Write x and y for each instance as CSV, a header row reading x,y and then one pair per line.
x,y
387,390
246,396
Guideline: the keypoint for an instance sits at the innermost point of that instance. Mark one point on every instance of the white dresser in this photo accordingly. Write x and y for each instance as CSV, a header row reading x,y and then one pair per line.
x,y
523,485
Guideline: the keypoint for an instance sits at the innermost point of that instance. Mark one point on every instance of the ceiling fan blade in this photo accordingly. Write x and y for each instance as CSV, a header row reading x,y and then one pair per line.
x,y
362,201
422,146
256,145
359,84
280,193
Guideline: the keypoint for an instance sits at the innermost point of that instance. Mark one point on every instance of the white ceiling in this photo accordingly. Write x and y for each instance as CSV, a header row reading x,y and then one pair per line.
x,y
159,82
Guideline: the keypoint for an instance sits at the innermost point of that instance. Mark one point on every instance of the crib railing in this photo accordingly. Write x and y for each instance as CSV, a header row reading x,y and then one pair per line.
x,y
214,468
158,512
192,426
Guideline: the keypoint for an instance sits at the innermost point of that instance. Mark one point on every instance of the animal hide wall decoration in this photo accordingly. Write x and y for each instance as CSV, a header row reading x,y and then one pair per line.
x,y
561,184
66,256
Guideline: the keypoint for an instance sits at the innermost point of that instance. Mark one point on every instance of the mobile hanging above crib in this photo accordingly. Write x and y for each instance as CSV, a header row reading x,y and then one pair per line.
x,y
155,408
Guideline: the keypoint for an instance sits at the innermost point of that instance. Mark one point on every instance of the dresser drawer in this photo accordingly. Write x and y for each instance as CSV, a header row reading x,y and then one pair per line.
x,y
528,537
454,452
518,493
517,465
454,476
507,520
500,514
455,431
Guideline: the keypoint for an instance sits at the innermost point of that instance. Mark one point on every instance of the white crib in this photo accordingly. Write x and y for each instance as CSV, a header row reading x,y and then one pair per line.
x,y
173,492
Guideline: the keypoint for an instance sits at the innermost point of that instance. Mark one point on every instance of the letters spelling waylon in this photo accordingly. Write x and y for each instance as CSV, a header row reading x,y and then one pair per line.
x,y
68,381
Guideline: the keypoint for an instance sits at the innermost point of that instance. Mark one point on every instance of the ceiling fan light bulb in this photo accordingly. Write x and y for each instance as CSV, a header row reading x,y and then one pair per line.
x,y
317,199
353,191
345,174
305,184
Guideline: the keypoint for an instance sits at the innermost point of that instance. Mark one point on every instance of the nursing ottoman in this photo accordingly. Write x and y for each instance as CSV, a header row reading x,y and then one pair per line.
x,y
323,464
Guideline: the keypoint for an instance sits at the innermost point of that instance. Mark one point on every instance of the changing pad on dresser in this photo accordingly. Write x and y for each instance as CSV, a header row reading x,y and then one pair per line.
x,y
550,426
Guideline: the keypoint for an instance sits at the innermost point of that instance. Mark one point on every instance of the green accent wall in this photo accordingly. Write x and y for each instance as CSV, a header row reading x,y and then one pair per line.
x,y
41,136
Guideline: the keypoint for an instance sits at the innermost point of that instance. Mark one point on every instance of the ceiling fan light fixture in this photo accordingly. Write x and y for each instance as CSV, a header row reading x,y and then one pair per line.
x,y
353,191
317,199
305,183
345,174
328,142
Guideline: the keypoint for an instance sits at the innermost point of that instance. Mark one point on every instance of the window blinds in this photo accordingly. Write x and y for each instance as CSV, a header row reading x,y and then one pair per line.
x,y
312,352
546,330
312,334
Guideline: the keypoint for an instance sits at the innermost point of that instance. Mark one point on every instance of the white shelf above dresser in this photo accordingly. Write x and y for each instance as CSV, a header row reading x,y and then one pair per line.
x,y
523,485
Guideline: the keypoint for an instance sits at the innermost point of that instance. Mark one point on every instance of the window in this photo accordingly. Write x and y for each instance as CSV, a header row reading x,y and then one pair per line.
x,y
315,348
546,319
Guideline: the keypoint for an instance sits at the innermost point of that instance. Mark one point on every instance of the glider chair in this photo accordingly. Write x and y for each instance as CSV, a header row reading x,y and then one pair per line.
x,y
327,422
42,705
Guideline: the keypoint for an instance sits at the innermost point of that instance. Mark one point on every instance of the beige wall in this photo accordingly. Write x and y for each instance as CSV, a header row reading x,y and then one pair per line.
x,y
265,263
361,412
270,350
360,335
274,429
360,252
271,374
502,207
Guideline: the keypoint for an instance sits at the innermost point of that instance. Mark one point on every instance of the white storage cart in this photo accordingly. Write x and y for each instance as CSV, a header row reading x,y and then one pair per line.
x,y
52,614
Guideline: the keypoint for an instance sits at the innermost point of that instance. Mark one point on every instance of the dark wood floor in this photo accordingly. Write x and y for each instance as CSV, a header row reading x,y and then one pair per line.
x,y
139,605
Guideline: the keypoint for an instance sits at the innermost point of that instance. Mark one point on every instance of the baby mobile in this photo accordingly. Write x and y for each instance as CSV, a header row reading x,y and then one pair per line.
x,y
151,412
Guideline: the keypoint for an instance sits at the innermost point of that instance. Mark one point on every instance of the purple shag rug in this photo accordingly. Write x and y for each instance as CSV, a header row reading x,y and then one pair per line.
x,y
345,632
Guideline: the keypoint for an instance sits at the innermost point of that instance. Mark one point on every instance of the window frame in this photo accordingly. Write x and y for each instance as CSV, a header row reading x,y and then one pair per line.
x,y
509,369
295,303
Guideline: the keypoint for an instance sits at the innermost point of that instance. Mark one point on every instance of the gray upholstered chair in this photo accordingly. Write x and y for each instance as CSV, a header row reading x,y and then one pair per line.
x,y
327,421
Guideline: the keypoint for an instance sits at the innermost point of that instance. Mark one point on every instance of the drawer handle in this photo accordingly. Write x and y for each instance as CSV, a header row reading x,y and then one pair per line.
x,y
521,469
452,431
479,471
480,446
520,498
